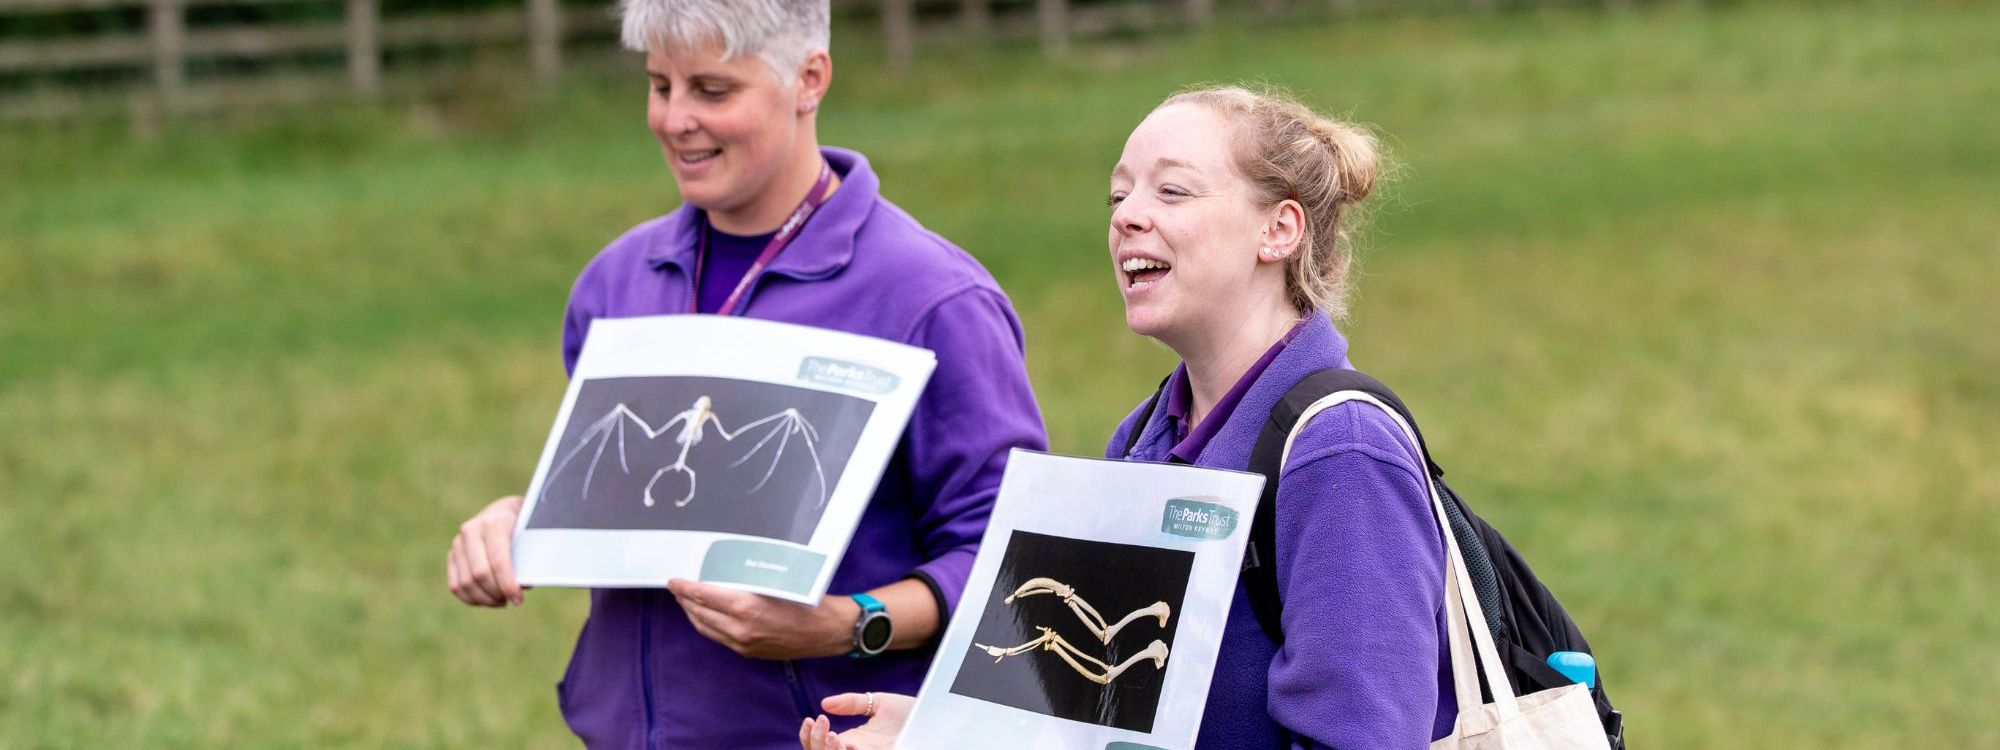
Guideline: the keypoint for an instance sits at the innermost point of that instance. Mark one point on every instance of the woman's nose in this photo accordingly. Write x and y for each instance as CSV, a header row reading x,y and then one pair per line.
x,y
680,118
1129,217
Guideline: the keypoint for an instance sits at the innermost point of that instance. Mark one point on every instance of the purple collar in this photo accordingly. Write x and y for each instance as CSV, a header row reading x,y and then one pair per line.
x,y
1180,401
823,247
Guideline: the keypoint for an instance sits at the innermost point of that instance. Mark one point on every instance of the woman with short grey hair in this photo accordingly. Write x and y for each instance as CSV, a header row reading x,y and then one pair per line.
x,y
774,226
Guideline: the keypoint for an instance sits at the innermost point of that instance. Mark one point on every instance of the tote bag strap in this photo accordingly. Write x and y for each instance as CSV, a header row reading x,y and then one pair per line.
x,y
1462,610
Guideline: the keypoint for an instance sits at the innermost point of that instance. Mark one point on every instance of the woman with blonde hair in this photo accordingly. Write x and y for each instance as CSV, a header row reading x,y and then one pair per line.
x,y
1230,216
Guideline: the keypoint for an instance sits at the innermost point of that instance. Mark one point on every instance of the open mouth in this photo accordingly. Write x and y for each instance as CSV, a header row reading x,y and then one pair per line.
x,y
697,157
1141,273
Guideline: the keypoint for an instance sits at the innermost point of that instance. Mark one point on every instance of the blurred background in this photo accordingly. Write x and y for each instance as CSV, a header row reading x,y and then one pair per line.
x,y
1690,296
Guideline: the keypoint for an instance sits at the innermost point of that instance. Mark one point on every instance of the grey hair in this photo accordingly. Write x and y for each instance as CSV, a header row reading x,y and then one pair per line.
x,y
782,33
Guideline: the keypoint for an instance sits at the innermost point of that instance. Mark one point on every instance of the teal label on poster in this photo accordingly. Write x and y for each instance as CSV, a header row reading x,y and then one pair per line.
x,y
849,375
780,567
1197,519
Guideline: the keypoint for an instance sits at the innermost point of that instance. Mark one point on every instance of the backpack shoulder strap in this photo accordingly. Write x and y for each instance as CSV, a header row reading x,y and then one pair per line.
x,y
1145,415
1260,560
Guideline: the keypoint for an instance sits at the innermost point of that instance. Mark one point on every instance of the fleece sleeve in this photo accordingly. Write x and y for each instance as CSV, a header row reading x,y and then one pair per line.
x,y
977,407
584,303
1361,570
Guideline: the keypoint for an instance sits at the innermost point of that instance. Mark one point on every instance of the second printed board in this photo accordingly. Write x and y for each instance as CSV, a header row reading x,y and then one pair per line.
x,y
1093,616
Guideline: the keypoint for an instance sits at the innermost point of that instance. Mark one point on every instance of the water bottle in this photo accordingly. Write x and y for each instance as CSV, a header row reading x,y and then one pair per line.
x,y
1577,666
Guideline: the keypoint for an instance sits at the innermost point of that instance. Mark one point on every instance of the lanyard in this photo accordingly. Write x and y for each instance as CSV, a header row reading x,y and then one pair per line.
x,y
790,229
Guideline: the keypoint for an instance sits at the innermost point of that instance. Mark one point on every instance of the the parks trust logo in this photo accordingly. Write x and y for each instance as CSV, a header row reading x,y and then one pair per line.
x,y
1198,518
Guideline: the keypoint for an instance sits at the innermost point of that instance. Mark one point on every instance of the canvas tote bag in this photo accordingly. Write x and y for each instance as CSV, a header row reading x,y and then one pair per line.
x,y
1563,718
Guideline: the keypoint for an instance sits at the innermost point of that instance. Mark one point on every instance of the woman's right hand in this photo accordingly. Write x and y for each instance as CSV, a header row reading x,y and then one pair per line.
x,y
480,567
891,712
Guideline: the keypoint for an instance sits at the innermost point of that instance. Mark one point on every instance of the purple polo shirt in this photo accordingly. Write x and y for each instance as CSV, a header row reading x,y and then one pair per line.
x,y
641,677
729,257
1360,567
1180,401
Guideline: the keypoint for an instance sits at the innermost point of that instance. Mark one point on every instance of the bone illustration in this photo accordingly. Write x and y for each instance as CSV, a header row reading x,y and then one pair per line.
x,y
1095,671
694,423
1088,614
784,425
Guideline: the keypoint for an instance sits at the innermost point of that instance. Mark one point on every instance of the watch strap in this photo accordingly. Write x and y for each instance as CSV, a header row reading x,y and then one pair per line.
x,y
868,603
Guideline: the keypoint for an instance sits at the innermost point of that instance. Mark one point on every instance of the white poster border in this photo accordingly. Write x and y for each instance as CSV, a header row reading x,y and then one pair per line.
x,y
1100,500
741,349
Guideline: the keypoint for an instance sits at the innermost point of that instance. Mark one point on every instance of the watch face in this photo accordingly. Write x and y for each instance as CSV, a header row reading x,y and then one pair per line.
x,y
875,633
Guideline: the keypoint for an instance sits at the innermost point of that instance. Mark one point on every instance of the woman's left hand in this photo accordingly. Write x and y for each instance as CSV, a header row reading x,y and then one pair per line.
x,y
760,627
890,712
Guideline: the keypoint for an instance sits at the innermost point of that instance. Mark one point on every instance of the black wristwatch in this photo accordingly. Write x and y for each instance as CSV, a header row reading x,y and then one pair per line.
x,y
872,630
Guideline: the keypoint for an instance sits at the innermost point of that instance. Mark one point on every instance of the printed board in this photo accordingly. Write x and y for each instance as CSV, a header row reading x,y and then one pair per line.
x,y
1094,614
721,449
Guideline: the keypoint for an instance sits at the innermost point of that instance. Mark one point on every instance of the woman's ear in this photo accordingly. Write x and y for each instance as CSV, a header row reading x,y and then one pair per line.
x,y
815,77
1283,232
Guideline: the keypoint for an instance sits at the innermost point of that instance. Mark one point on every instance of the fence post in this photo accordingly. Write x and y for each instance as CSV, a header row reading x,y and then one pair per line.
x,y
167,27
978,19
899,31
1053,16
545,35
364,46
1200,11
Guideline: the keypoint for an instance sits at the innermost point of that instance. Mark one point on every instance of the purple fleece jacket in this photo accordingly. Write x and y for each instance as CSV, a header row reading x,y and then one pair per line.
x,y
641,677
1360,568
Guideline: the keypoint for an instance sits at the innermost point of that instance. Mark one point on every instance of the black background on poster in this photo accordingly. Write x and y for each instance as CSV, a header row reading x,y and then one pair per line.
x,y
786,508
1115,579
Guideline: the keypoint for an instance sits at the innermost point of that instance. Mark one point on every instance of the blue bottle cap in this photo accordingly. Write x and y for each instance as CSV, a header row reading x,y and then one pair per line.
x,y
1577,666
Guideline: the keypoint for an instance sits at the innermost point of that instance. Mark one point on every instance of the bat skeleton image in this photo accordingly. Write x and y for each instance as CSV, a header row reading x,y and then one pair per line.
x,y
1095,671
1088,614
693,424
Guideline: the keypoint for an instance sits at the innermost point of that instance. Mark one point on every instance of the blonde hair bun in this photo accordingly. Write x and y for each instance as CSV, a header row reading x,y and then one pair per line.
x,y
1291,152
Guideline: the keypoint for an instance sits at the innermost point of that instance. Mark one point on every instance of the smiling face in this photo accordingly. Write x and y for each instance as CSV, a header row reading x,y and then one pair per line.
x,y
1186,233
731,130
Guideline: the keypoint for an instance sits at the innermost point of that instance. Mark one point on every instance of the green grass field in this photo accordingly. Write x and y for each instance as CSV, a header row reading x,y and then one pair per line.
x,y
1693,305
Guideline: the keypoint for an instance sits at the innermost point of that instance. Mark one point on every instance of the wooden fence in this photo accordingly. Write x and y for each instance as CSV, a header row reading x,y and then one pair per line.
x,y
362,35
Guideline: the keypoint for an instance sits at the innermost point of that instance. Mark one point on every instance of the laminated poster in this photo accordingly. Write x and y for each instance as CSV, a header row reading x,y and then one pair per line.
x,y
1094,614
727,450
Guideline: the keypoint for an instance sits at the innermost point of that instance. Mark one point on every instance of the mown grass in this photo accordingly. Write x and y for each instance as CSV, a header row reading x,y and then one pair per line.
x,y
1692,304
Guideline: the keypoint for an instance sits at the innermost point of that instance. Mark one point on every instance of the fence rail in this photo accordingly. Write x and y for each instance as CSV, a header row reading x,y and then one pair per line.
x,y
128,50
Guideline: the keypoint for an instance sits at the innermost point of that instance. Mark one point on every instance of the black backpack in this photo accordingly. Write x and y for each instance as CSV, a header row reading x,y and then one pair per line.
x,y
1527,622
